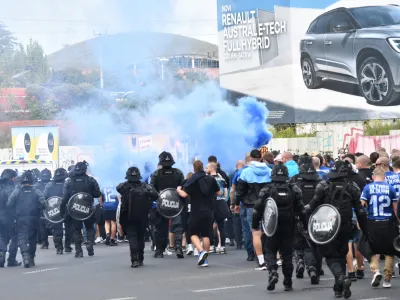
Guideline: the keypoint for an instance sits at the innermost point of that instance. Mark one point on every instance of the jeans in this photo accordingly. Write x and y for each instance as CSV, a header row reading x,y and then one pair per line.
x,y
246,215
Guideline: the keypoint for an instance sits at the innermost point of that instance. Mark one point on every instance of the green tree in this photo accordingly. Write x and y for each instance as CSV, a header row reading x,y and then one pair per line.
x,y
36,61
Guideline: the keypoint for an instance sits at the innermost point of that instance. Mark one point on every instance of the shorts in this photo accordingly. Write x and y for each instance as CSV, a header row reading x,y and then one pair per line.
x,y
355,236
110,215
201,224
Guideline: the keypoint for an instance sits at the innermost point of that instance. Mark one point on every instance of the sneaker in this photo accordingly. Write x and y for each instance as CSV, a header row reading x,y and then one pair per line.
x,y
108,238
376,280
204,264
393,274
167,252
387,284
170,249
352,276
196,252
189,249
360,274
262,267
279,263
221,250
179,253
126,240
99,240
202,257
113,243
213,250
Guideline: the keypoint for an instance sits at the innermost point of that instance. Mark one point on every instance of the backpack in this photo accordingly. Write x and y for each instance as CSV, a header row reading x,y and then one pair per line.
x,y
339,197
283,196
80,184
167,178
307,189
136,204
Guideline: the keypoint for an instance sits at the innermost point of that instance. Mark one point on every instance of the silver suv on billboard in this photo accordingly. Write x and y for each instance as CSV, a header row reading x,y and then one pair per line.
x,y
358,45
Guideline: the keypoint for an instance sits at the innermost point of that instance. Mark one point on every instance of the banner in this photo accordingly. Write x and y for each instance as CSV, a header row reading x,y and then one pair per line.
x,y
313,61
35,143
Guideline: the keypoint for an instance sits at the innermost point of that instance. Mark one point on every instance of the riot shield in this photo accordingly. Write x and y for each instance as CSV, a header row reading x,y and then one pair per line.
x,y
324,224
270,218
52,211
81,206
169,204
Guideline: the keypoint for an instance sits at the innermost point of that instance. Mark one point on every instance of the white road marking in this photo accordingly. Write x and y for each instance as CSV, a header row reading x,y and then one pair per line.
x,y
92,262
223,288
41,271
326,279
382,298
127,298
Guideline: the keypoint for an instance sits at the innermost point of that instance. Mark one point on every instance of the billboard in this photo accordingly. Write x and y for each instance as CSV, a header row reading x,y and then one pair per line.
x,y
35,143
313,60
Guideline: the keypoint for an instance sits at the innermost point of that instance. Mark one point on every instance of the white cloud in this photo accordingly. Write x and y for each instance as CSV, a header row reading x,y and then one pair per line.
x,y
38,19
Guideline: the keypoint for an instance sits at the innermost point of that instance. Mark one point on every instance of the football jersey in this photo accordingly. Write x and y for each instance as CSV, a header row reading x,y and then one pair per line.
x,y
394,180
380,197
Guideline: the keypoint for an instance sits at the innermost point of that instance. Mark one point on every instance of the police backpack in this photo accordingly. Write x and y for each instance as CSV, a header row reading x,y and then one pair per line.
x,y
136,203
283,196
308,188
339,197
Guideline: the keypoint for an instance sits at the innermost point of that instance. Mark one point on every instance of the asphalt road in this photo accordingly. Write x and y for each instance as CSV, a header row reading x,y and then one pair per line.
x,y
108,275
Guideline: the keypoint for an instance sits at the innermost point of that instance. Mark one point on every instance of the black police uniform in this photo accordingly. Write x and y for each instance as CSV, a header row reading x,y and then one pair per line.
x,y
8,234
288,199
167,177
55,189
344,195
136,202
80,182
305,249
44,225
28,202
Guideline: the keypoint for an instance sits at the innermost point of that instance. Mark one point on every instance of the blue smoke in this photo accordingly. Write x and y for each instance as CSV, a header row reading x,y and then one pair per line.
x,y
203,123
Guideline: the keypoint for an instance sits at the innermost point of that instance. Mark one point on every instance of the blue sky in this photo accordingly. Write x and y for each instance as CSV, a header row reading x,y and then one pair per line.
x,y
246,5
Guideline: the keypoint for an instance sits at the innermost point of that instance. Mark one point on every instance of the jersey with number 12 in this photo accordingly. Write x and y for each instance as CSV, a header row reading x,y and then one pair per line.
x,y
380,197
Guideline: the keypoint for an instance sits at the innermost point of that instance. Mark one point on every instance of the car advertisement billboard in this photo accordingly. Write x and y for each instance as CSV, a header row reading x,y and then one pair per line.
x,y
35,143
313,60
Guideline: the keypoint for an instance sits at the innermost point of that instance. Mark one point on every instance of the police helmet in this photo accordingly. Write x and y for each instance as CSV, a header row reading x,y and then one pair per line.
x,y
340,169
133,174
27,177
8,174
80,168
280,173
166,159
45,175
60,174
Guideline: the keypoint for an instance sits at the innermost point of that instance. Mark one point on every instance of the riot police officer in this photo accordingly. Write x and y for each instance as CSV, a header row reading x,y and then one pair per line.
x,y
44,179
163,178
137,199
80,182
55,189
288,199
8,233
305,249
344,195
28,202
